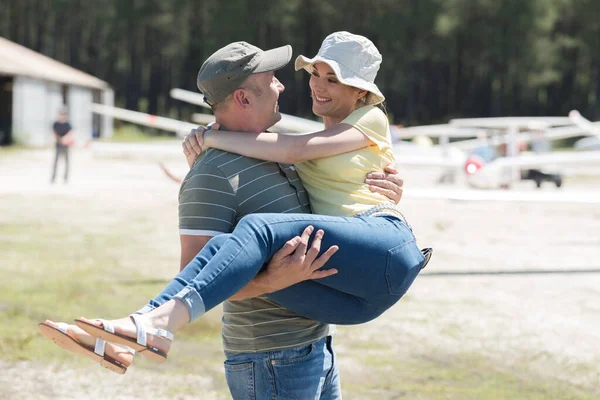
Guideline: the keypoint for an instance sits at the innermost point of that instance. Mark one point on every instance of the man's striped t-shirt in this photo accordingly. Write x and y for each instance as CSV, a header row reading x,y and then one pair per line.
x,y
219,190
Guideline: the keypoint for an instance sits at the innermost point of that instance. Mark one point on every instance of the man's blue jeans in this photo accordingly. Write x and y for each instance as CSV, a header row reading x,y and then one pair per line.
x,y
378,260
306,372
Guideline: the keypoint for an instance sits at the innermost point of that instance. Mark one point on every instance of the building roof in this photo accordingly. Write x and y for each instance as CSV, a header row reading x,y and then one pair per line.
x,y
17,60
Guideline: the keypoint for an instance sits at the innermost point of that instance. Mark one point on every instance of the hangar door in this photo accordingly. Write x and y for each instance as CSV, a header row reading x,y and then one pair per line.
x,y
6,97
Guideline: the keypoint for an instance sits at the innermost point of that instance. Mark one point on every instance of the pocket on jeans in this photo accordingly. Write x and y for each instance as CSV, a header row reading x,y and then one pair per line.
x,y
297,355
240,379
403,265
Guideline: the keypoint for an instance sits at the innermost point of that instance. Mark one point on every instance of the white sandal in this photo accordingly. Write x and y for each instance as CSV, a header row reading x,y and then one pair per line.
x,y
139,344
59,335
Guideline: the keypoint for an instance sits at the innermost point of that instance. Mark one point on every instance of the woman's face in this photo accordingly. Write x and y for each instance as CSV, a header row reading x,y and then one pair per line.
x,y
331,98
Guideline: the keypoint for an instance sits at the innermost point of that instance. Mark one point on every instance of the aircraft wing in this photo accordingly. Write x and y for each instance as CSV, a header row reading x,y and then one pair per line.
x,y
505,122
560,128
563,127
588,144
203,119
292,124
288,123
158,150
569,131
554,158
410,154
426,161
583,127
584,123
181,128
580,197
439,130
561,132
189,97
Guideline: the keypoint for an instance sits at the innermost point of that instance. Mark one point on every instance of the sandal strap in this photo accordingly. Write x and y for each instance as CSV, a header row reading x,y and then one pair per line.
x,y
139,329
100,346
163,333
142,331
62,326
106,325
126,348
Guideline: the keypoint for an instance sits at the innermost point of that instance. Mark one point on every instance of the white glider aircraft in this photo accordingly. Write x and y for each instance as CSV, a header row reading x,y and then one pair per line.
x,y
482,166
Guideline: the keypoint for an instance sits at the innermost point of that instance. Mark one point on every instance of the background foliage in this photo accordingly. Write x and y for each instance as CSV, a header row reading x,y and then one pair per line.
x,y
442,58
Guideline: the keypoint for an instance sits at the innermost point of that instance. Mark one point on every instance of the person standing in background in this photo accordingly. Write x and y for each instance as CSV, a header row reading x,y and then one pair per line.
x,y
63,133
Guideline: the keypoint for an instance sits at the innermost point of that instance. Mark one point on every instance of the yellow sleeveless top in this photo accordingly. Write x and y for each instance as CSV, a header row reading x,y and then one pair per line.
x,y
336,185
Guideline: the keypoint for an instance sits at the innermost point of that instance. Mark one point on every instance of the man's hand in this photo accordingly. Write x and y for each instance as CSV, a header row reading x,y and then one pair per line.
x,y
293,263
387,183
193,144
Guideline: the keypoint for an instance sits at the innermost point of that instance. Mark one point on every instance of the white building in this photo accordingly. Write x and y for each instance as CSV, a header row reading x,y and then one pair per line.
x,y
34,87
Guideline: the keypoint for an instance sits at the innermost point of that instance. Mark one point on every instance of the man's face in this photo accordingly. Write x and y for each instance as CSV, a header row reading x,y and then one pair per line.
x,y
264,90
62,117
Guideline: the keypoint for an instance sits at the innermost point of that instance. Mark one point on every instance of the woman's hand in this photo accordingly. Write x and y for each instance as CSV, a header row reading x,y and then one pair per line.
x,y
193,144
387,183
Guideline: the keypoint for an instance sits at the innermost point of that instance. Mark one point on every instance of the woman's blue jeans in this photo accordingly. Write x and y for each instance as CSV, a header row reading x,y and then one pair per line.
x,y
377,261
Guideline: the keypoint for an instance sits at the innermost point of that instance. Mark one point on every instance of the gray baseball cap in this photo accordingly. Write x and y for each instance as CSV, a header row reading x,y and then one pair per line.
x,y
228,68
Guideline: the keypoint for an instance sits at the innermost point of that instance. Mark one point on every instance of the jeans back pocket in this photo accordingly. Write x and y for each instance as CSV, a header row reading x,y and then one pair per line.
x,y
240,379
403,265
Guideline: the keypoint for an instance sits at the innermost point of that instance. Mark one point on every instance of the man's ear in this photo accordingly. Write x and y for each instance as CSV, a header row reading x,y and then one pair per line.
x,y
240,97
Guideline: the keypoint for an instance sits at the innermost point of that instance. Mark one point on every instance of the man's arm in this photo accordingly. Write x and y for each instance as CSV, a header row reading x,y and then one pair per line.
x,y
256,287
190,247
207,205
388,183
265,282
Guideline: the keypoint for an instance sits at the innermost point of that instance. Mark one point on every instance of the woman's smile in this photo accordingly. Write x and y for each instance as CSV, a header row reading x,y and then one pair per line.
x,y
321,99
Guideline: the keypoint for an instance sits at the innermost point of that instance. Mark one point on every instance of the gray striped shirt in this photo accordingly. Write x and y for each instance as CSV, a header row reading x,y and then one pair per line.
x,y
219,190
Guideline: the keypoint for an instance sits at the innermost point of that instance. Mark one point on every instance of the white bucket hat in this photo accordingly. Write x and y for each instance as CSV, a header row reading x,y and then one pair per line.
x,y
354,59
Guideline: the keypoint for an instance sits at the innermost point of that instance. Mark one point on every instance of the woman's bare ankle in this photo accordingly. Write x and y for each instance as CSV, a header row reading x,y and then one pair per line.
x,y
171,316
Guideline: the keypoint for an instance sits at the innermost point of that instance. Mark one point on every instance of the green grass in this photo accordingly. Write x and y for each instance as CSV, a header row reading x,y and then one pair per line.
x,y
455,377
58,271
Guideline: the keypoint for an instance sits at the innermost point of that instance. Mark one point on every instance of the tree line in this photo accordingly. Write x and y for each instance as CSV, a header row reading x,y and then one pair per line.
x,y
441,58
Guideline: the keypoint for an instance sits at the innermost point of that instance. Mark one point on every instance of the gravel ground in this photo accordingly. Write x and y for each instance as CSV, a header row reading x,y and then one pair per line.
x,y
537,324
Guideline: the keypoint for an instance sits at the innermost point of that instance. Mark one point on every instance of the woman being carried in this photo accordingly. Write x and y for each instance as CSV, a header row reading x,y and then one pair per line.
x,y
377,259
